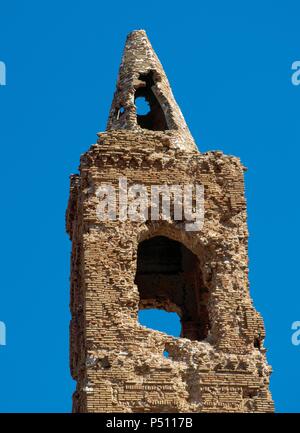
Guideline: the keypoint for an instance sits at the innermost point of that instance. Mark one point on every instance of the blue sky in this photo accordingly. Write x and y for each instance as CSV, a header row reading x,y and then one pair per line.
x,y
229,64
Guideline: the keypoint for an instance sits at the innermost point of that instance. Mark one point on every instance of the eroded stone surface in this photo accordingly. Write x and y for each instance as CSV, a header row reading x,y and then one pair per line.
x,y
117,363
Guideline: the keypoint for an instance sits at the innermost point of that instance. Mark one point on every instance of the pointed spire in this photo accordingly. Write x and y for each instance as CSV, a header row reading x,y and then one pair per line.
x,y
141,75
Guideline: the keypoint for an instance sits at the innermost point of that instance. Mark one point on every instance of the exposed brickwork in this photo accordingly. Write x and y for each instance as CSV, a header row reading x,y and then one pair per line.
x,y
117,363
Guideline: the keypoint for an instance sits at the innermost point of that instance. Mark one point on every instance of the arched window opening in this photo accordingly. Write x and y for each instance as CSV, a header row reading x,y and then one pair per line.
x,y
154,118
169,278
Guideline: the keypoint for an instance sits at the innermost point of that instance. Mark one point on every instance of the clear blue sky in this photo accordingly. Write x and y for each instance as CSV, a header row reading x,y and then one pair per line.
x,y
229,64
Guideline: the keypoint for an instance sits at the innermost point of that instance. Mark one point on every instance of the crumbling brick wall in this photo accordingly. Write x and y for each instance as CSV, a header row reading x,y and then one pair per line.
x,y
218,364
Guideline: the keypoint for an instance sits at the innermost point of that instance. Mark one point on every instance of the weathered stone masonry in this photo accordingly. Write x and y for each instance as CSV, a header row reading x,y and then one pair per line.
x,y
218,364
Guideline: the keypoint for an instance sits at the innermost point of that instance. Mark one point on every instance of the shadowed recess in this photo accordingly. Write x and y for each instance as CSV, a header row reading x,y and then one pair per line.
x,y
169,278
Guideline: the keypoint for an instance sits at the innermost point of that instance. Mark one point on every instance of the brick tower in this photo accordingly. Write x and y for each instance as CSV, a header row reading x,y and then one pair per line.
x,y
122,265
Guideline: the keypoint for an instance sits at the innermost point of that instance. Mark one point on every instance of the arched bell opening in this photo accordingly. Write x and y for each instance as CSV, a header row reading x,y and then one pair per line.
x,y
149,112
169,278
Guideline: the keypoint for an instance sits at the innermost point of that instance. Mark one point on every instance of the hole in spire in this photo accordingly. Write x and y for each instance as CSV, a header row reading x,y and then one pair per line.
x,y
142,106
149,112
119,112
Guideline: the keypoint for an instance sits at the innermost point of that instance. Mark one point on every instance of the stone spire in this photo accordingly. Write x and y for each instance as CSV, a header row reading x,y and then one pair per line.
x,y
141,75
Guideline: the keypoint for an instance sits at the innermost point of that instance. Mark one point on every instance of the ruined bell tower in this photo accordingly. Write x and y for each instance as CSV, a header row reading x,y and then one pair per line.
x,y
122,264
